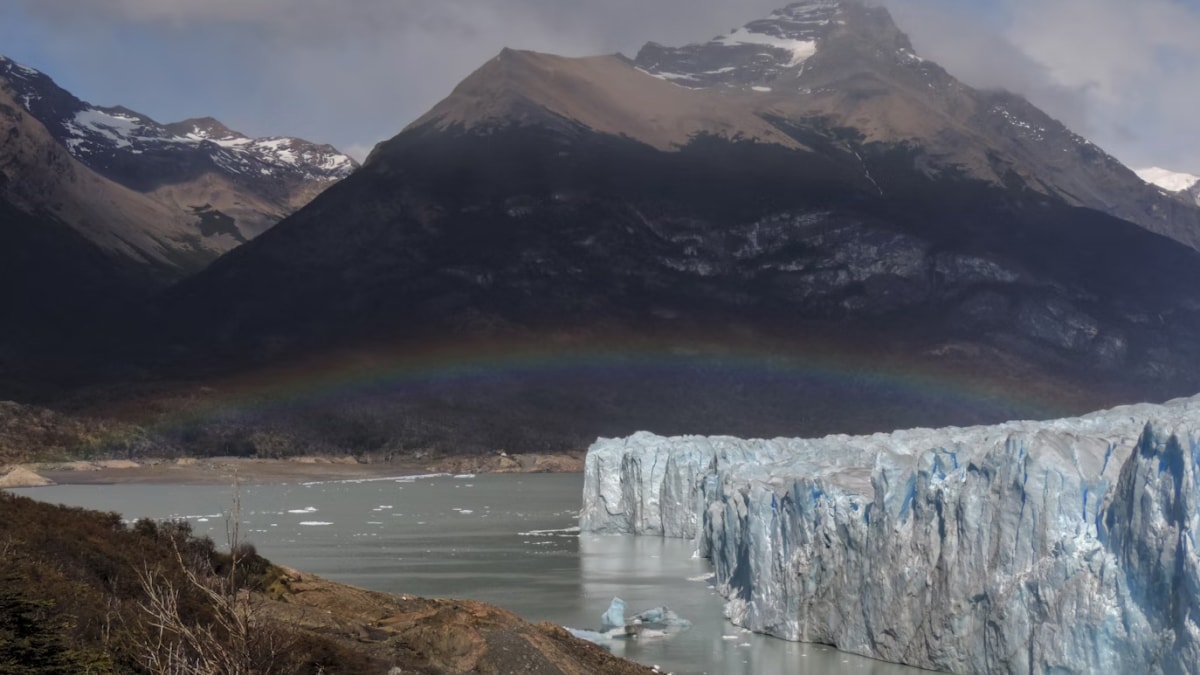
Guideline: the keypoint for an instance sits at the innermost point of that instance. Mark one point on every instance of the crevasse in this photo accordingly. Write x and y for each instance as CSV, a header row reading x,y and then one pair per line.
x,y
1066,546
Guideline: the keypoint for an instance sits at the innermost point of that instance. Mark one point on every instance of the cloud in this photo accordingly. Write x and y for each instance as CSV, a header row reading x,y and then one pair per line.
x,y
354,72
1122,73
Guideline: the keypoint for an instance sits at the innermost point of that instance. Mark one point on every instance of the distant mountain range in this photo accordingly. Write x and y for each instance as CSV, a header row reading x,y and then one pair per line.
x,y
217,187
101,206
806,183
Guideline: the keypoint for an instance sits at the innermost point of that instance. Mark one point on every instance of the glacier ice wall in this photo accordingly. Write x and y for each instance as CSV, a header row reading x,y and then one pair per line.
x,y
1066,546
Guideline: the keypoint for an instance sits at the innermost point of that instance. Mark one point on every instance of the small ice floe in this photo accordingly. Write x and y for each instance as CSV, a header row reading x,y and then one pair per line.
x,y
562,532
315,523
465,475
703,577
381,479
199,517
424,476
374,522
307,509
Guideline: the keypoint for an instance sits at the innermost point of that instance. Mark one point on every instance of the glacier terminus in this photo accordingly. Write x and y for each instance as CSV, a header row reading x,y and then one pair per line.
x,y
1065,546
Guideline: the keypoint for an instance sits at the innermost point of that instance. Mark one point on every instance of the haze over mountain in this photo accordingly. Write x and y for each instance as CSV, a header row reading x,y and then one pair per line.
x,y
804,179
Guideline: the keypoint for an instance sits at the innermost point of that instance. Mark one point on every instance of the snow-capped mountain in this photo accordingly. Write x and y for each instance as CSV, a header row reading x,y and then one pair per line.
x,y
196,164
100,207
97,135
267,156
840,70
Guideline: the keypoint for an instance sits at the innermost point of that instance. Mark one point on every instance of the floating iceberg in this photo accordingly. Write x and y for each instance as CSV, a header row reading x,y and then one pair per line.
x,y
652,623
614,616
1066,546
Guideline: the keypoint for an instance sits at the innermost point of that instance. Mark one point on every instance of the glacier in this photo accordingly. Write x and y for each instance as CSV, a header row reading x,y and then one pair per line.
x,y
1064,546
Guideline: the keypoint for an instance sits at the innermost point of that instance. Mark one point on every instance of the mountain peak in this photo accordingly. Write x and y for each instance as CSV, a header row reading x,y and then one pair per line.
x,y
778,48
204,128
605,94
10,67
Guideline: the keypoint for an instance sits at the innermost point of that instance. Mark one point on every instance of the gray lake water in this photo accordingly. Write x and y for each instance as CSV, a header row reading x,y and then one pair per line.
x,y
506,540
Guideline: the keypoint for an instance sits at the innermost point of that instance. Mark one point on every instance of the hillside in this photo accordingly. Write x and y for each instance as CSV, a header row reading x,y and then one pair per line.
x,y
81,591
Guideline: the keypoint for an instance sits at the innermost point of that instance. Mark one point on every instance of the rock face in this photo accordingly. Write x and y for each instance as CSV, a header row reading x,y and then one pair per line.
x,y
1065,546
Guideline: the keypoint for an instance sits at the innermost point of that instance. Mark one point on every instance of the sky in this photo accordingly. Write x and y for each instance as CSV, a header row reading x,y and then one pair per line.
x,y
1123,73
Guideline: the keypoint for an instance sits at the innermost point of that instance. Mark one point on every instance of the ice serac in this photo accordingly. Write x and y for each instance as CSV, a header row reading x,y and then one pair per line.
x,y
1066,546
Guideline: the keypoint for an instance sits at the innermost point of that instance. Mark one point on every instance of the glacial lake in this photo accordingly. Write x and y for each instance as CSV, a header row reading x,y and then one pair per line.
x,y
504,539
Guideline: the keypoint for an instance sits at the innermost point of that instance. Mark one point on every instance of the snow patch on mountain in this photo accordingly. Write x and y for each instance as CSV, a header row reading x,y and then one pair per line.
x,y
751,56
116,129
801,50
1171,181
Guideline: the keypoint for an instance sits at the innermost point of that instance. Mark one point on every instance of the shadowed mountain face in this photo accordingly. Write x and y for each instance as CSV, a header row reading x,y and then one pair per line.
x,y
805,181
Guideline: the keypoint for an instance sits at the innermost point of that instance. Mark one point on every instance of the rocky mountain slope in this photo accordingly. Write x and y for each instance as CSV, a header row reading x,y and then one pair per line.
x,y
1062,546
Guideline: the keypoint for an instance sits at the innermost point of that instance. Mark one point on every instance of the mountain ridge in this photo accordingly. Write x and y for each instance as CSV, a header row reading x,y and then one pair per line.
x,y
183,165
858,72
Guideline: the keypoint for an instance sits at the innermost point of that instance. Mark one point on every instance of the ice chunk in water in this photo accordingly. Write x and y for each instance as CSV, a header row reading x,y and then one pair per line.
x,y
614,616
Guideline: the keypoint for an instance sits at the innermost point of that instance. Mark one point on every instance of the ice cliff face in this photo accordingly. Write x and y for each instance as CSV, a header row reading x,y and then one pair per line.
x,y
1030,547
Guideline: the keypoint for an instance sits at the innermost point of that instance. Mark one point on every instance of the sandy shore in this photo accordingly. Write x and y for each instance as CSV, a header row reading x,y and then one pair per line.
x,y
226,470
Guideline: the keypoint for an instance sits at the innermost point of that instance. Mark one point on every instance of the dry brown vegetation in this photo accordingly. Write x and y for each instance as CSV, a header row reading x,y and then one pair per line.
x,y
82,592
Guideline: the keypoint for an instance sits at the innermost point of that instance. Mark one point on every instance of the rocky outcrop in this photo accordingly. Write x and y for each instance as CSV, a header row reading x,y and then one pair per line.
x,y
1065,546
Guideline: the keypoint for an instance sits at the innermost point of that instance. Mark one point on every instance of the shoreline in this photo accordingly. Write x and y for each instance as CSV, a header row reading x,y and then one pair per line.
x,y
252,471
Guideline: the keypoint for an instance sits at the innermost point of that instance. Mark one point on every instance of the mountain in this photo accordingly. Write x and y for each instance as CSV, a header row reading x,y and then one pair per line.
x,y
804,180
101,207
227,187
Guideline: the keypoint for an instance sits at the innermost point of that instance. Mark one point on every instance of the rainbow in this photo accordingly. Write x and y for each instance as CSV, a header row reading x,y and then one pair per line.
x,y
925,381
